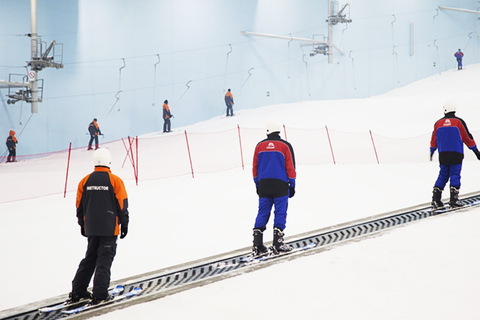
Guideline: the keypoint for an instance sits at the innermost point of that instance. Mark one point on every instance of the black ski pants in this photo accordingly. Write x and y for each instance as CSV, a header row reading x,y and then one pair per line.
x,y
167,125
93,137
98,259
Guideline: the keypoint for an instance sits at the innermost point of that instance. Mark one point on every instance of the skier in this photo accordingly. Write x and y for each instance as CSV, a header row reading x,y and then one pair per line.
x,y
449,135
166,117
274,176
459,56
12,147
102,213
94,131
229,103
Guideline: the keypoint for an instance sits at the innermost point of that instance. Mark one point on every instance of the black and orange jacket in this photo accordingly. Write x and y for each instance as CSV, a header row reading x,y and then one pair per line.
x,y
166,111
93,128
228,98
11,140
102,203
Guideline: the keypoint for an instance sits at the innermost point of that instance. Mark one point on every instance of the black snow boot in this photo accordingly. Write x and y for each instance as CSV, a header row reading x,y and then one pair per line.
x,y
454,201
258,247
76,297
437,198
278,242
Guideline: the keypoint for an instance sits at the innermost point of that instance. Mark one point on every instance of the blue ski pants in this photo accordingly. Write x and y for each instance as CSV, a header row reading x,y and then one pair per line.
x,y
449,171
264,209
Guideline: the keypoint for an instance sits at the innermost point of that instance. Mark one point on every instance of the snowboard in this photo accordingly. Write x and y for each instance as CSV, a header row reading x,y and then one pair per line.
x,y
115,291
448,208
136,291
250,259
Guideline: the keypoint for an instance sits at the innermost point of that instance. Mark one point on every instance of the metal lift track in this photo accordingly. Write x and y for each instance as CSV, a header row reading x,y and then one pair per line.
x,y
179,278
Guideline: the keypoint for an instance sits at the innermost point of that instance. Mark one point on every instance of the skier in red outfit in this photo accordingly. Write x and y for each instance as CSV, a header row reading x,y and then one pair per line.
x,y
459,56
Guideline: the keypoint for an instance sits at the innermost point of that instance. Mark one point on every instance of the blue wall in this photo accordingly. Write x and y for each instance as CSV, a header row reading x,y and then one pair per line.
x,y
202,53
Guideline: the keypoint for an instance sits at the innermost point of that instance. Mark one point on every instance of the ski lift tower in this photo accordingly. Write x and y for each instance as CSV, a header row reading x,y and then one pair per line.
x,y
30,88
320,47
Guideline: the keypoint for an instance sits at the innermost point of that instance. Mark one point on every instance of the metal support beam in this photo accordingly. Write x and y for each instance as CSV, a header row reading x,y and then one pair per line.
x,y
459,9
34,46
13,84
267,35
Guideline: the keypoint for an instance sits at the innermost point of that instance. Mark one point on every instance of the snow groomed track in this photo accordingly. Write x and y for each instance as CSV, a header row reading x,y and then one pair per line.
x,y
168,281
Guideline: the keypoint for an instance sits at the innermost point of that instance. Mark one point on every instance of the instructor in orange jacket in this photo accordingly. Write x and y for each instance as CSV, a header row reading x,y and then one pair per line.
x,y
102,213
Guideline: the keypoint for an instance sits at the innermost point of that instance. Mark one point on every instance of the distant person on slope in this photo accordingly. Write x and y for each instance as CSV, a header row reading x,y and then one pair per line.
x,y
274,176
166,117
459,56
229,103
12,147
449,135
102,213
94,131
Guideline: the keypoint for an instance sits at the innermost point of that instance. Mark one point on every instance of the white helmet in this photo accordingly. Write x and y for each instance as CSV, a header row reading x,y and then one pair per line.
x,y
102,157
449,106
273,126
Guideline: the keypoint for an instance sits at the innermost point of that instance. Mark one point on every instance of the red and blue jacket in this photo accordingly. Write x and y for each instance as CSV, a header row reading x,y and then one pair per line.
x,y
274,167
449,135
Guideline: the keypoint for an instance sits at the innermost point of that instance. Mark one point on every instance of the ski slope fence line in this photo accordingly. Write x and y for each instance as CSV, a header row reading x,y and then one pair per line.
x,y
182,153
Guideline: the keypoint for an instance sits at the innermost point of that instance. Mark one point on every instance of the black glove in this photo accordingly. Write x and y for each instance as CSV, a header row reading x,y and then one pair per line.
x,y
81,223
258,191
291,192
431,156
477,153
123,231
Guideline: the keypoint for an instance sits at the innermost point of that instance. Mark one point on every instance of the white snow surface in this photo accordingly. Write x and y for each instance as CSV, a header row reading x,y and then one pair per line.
x,y
424,270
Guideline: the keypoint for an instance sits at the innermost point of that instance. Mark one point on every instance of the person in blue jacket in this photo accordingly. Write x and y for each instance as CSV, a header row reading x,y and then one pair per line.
x,y
274,176
459,56
449,135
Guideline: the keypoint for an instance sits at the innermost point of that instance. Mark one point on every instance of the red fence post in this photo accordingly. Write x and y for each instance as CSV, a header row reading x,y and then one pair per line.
x,y
374,148
240,141
136,151
330,143
285,131
189,156
68,166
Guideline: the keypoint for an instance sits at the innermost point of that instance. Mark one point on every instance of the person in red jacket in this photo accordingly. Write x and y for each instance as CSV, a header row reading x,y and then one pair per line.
x,y
459,56
102,213
449,135
12,147
274,176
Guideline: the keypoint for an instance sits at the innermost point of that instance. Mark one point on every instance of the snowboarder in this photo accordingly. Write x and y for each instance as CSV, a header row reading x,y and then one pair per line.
x,y
229,103
94,131
166,117
449,135
12,147
102,213
459,56
274,176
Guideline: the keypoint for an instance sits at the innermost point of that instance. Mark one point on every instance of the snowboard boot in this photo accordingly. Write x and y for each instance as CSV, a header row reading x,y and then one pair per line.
x,y
454,201
76,297
97,301
258,247
437,199
278,245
